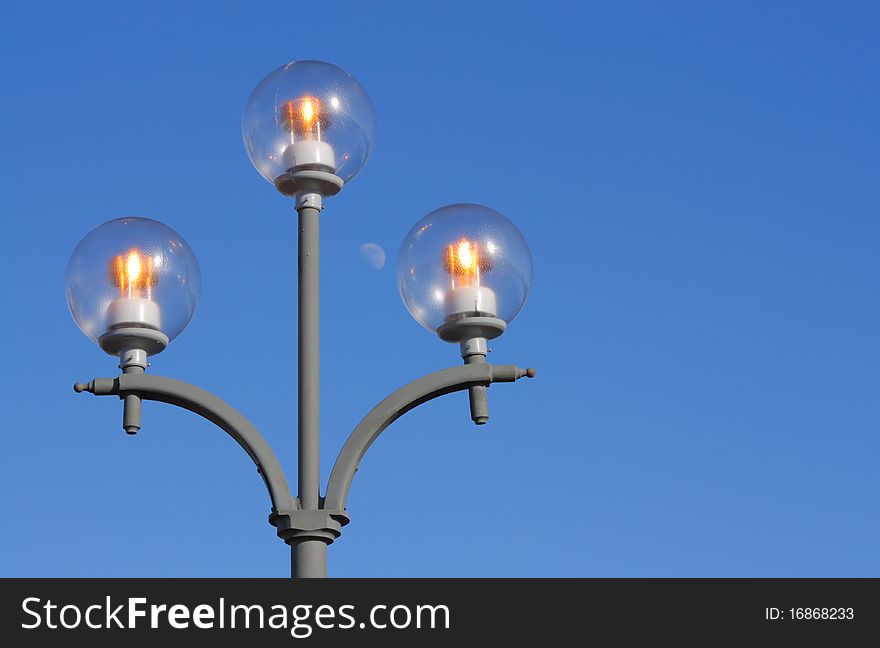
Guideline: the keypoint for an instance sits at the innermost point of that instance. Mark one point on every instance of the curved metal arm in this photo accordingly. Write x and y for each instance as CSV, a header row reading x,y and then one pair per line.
x,y
399,403
206,405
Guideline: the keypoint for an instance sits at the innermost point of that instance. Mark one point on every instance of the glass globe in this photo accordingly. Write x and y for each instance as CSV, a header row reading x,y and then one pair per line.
x,y
134,274
464,261
308,115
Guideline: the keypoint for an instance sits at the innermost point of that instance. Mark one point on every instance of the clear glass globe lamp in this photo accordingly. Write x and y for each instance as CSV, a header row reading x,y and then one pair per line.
x,y
464,271
132,283
308,125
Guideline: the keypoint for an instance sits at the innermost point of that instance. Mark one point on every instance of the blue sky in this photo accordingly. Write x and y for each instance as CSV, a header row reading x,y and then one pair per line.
x,y
699,187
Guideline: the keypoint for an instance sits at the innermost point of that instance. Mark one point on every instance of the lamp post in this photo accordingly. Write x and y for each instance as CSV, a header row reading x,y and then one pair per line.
x,y
464,272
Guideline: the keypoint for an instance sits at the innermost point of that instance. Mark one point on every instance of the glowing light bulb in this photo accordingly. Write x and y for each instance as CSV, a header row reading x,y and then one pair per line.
x,y
134,273
133,266
467,297
308,111
305,120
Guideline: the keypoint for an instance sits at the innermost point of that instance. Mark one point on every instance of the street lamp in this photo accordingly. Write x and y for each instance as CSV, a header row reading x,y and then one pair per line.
x,y
132,286
464,272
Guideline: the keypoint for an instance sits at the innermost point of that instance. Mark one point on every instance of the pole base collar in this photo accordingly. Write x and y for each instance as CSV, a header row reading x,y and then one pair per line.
x,y
466,328
301,525
119,340
297,181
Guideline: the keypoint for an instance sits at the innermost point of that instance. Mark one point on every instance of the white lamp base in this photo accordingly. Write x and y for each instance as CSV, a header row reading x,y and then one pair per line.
x,y
310,154
133,311
471,300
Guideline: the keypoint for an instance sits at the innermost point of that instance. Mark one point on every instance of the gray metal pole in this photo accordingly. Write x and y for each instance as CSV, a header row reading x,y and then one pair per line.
x,y
132,361
473,351
477,395
309,558
180,394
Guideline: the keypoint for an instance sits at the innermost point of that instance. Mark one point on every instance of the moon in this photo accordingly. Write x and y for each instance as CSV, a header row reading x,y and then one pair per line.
x,y
373,255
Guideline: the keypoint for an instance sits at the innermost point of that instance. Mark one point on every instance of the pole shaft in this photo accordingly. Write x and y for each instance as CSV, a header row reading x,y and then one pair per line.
x,y
309,558
477,394
131,409
309,358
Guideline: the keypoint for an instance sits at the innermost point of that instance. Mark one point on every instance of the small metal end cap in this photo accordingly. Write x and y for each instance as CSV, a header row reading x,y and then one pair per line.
x,y
530,372
79,388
